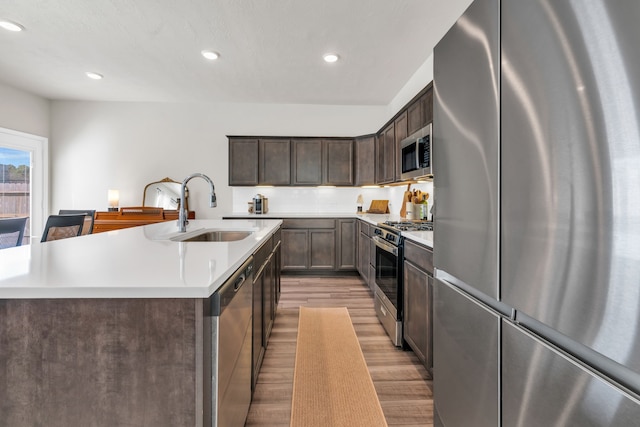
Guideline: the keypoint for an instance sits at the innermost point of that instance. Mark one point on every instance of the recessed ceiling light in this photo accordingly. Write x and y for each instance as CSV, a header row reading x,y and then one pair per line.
x,y
209,54
331,57
11,26
94,76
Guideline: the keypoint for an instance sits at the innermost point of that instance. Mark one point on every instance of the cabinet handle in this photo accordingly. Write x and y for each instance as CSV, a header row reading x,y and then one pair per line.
x,y
238,283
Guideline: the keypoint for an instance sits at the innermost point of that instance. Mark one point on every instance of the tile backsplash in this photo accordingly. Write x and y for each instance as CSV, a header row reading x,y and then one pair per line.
x,y
322,199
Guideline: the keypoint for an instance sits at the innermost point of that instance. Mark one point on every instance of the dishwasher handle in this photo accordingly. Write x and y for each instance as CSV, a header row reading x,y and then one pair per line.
x,y
239,281
222,297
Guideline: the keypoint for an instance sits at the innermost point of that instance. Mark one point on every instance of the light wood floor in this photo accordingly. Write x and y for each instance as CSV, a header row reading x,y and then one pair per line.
x,y
402,383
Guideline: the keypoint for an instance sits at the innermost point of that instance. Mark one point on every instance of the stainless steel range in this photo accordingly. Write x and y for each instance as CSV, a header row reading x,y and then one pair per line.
x,y
389,257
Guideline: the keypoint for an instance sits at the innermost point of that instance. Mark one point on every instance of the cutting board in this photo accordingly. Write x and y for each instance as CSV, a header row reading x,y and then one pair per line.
x,y
379,206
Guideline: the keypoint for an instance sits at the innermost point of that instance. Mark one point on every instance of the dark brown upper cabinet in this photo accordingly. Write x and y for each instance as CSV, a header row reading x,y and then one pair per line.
x,y
306,155
365,154
275,162
243,161
386,155
338,162
315,161
400,126
420,111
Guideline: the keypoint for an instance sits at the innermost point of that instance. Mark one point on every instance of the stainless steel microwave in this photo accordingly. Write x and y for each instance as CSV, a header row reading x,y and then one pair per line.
x,y
416,155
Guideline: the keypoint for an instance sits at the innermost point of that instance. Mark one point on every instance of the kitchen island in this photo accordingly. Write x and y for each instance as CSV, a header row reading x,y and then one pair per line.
x,y
111,329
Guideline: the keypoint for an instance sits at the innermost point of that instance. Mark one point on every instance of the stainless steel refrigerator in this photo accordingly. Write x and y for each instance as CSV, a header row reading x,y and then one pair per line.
x,y
536,140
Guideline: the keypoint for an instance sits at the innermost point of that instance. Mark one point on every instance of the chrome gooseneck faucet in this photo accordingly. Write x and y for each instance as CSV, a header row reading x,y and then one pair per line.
x,y
182,216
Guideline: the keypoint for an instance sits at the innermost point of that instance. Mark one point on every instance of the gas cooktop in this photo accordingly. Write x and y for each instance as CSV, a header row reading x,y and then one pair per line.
x,y
408,225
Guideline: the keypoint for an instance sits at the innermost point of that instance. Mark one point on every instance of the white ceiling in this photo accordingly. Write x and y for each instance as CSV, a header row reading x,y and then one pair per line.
x,y
271,50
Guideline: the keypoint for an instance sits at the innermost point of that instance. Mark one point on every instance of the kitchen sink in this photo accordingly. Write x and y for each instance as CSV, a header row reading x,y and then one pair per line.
x,y
207,235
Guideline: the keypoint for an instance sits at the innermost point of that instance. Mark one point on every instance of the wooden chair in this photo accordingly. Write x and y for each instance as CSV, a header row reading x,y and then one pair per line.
x,y
62,227
87,228
12,232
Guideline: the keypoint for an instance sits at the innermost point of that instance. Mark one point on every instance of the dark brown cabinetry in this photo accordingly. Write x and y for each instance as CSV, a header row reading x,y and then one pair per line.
x,y
386,155
365,160
306,155
314,161
366,254
259,161
347,250
319,245
418,294
265,291
275,162
400,127
420,111
338,160
308,244
243,161
322,162
363,250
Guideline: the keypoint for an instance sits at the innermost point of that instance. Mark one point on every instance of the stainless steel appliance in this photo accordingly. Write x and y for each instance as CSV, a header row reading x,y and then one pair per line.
x,y
260,204
537,237
388,300
231,329
416,155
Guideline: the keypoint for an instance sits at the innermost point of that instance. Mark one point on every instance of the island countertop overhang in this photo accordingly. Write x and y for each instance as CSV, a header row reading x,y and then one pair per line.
x,y
137,262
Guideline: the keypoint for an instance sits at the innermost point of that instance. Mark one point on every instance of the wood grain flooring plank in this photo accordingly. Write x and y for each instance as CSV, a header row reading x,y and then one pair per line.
x,y
403,385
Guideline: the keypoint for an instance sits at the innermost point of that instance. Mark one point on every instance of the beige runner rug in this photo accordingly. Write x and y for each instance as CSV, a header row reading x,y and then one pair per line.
x,y
331,384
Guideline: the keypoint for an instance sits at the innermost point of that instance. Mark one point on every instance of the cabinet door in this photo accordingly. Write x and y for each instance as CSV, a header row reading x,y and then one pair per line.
x,y
414,116
347,244
338,161
386,158
400,125
417,312
295,252
372,265
372,278
243,161
277,265
365,159
307,162
427,106
420,112
258,348
322,249
267,300
275,161
363,256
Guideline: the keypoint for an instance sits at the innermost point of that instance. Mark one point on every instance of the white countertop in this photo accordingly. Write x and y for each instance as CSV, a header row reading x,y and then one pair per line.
x,y
129,263
422,237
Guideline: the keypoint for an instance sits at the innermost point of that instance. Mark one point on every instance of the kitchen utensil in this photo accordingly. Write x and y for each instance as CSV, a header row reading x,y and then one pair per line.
x,y
379,207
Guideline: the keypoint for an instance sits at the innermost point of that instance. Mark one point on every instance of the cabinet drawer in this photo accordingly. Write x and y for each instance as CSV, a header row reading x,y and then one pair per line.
x,y
309,223
419,255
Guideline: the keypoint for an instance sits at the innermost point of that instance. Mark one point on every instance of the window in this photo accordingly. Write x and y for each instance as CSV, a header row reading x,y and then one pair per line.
x,y
24,178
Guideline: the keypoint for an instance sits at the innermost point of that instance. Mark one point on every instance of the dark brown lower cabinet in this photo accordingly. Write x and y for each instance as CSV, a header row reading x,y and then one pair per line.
x,y
319,245
418,297
266,282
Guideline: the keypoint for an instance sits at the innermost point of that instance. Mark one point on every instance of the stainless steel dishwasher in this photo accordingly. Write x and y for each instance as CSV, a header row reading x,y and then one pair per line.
x,y
231,328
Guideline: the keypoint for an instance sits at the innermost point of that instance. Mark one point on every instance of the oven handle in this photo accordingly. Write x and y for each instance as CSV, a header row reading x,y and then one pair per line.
x,y
380,242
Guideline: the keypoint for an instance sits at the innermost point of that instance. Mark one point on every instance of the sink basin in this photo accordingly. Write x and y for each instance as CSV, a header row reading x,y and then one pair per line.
x,y
214,236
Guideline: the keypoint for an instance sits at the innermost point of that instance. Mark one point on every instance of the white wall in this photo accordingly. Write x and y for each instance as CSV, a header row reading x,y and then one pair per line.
x,y
416,83
96,146
23,111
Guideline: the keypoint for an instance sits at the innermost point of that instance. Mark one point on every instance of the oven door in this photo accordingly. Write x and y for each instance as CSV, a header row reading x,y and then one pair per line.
x,y
387,271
